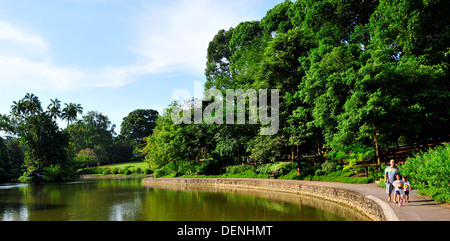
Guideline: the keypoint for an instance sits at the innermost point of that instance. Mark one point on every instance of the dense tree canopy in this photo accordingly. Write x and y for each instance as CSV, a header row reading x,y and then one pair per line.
x,y
350,73
37,149
37,129
353,76
138,125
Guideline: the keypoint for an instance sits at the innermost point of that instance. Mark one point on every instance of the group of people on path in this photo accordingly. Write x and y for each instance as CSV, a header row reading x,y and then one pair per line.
x,y
396,184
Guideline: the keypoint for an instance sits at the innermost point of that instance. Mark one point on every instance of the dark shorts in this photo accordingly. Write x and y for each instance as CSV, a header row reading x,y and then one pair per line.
x,y
407,193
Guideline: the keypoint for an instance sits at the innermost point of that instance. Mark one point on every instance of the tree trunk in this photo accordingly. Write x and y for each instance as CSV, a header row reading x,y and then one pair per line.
x,y
377,147
293,154
204,150
238,156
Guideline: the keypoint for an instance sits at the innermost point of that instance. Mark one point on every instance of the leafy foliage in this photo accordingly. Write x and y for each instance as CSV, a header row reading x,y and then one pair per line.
x,y
429,172
37,129
86,158
355,77
138,125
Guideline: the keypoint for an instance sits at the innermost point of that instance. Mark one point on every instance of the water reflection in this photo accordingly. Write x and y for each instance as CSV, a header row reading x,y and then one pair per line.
x,y
12,214
126,199
249,205
12,185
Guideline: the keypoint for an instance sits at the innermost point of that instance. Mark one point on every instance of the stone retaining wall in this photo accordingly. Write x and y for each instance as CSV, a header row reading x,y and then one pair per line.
x,y
369,205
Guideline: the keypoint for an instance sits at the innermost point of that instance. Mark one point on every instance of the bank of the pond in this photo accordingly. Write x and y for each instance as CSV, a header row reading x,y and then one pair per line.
x,y
89,176
370,205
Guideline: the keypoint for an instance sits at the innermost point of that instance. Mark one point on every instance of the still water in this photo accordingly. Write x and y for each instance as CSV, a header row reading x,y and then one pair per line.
x,y
126,199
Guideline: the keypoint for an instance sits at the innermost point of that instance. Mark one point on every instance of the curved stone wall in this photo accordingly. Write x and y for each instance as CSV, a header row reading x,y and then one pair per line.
x,y
374,208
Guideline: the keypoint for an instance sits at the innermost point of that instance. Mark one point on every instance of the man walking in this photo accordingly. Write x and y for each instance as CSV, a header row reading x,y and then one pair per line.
x,y
389,177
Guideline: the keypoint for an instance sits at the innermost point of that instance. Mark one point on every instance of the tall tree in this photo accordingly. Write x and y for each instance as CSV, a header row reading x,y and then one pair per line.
x,y
218,73
98,133
4,161
277,19
247,45
138,125
37,129
54,108
70,112
165,144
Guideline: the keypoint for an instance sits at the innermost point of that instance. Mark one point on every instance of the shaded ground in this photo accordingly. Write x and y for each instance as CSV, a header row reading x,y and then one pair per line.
x,y
402,153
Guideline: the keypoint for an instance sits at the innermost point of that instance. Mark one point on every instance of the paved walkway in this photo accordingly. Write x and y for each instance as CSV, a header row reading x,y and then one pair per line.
x,y
419,208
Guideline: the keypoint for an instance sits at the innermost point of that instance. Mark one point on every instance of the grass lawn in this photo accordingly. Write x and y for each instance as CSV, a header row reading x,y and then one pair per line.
x,y
131,165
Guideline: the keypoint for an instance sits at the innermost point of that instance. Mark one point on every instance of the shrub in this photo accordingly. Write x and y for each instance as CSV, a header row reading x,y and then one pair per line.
x,y
326,168
115,171
429,172
186,168
91,170
210,167
352,155
127,172
329,166
283,167
291,175
162,172
56,173
237,169
86,158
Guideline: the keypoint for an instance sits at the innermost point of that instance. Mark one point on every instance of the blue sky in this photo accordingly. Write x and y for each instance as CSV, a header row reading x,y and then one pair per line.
x,y
113,56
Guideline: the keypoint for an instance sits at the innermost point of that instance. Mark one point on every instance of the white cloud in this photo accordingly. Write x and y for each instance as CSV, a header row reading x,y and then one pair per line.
x,y
37,75
25,61
20,73
175,36
11,33
170,36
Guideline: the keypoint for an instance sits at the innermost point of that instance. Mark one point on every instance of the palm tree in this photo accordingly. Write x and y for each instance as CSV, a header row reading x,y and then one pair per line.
x,y
29,105
4,122
70,112
79,109
17,108
54,108
32,104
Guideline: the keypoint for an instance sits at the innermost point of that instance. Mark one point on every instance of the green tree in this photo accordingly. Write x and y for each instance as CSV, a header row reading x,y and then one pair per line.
x,y
247,45
277,19
165,144
95,131
46,143
55,108
354,76
86,157
4,161
138,125
98,133
218,73
70,112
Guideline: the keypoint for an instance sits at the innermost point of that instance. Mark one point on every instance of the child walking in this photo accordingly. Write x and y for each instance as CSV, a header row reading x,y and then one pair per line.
x,y
398,185
406,188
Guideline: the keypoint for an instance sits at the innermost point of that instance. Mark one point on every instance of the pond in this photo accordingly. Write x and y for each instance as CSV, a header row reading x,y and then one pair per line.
x,y
127,199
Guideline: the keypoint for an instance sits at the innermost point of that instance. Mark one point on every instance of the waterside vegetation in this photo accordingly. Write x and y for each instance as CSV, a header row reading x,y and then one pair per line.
x,y
356,80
